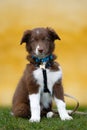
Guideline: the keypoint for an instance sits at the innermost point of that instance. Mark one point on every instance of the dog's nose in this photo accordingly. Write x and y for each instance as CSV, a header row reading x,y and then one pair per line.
x,y
40,50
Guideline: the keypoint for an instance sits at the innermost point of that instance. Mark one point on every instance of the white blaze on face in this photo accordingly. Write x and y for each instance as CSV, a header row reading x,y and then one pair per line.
x,y
37,49
37,31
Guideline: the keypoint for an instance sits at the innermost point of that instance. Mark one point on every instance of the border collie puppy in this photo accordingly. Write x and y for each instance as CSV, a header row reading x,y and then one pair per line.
x,y
41,80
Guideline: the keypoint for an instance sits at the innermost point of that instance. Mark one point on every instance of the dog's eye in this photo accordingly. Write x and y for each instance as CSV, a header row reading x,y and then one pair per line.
x,y
32,40
47,39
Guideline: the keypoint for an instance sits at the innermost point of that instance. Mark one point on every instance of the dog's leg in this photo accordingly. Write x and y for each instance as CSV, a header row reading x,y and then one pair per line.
x,y
21,110
62,109
59,99
35,107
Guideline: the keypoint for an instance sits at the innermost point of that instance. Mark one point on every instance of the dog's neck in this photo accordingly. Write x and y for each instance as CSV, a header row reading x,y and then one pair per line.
x,y
46,61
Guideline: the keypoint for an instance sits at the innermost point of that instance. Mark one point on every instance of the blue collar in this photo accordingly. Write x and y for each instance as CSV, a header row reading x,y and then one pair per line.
x,y
45,59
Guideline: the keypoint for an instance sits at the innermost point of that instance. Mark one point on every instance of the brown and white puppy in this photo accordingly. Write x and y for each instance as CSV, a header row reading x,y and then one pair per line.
x,y
30,99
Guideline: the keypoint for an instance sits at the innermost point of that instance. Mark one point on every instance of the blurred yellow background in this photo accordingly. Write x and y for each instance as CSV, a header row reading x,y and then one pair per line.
x,y
68,18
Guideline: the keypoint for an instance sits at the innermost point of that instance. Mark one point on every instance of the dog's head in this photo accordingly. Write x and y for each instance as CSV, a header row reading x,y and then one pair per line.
x,y
40,41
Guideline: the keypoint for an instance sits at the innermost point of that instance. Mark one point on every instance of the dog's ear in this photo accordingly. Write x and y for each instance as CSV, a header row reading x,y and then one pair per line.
x,y
25,37
53,34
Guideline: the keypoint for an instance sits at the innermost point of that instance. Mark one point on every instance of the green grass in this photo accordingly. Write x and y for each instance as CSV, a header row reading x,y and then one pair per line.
x,y
8,122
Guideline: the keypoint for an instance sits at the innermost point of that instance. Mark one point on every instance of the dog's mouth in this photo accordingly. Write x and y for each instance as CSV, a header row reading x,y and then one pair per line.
x,y
40,54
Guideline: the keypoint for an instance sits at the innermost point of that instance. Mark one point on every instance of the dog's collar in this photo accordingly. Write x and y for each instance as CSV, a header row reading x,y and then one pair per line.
x,y
48,61
42,60
45,62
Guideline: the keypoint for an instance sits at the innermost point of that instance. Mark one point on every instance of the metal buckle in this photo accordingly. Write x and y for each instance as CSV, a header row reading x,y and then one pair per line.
x,y
42,66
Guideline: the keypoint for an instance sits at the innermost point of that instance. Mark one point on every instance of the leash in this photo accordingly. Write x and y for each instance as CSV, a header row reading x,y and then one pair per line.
x,y
77,104
48,60
74,111
46,90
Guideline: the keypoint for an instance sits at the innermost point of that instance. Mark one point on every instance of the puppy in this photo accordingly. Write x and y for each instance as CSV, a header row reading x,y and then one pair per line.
x,y
42,78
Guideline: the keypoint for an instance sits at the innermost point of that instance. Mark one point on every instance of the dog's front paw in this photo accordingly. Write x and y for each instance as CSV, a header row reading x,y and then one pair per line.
x,y
66,117
37,119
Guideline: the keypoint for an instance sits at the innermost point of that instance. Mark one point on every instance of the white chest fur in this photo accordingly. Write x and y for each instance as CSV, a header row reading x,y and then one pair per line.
x,y
52,78
46,98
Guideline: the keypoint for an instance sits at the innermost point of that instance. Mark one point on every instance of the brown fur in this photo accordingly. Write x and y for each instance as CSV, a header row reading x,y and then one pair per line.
x,y
28,84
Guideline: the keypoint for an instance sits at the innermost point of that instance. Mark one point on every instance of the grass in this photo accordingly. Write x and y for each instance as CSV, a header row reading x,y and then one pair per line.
x,y
8,122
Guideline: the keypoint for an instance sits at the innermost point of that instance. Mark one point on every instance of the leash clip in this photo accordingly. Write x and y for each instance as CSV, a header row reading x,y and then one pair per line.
x,y
42,66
